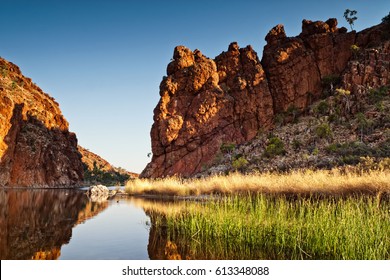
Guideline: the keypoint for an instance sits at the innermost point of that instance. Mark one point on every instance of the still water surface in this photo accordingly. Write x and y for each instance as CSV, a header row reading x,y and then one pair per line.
x,y
118,232
64,224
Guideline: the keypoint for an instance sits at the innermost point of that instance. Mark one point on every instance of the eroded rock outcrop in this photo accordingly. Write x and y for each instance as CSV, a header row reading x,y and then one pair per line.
x,y
36,147
370,69
295,66
205,103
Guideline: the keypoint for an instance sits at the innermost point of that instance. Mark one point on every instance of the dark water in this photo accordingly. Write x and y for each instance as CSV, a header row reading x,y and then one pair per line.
x,y
64,224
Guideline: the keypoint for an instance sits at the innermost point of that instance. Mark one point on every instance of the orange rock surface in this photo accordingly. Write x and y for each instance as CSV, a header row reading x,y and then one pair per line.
x,y
295,66
36,147
206,103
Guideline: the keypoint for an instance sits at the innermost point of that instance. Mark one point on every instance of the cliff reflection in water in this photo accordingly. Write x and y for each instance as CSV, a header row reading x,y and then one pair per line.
x,y
34,224
165,245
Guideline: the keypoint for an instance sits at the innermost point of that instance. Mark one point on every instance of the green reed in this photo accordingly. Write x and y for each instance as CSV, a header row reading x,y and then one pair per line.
x,y
260,226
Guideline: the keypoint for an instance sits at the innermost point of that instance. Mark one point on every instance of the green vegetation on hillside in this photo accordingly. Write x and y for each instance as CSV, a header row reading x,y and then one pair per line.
x,y
339,130
108,178
386,19
275,147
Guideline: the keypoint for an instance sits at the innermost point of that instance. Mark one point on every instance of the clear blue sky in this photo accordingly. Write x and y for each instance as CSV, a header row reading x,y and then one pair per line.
x,y
103,60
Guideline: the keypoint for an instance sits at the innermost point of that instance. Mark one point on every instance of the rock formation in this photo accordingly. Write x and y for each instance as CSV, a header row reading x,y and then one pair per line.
x,y
206,103
98,193
36,147
295,66
371,69
99,171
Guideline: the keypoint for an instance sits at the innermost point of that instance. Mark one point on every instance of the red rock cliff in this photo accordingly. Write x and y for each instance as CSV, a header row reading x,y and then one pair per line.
x,y
36,147
295,66
205,103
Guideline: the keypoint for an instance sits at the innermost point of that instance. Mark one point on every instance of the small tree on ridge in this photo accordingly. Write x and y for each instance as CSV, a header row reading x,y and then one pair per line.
x,y
386,19
350,17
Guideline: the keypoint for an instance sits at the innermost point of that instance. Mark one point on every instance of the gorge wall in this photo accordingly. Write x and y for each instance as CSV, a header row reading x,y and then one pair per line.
x,y
206,103
36,147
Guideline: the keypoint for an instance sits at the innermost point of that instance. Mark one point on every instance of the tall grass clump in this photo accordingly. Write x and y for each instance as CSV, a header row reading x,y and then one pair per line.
x,y
307,182
279,227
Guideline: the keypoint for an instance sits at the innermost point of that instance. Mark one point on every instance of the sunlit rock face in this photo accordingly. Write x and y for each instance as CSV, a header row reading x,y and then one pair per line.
x,y
36,147
206,103
295,66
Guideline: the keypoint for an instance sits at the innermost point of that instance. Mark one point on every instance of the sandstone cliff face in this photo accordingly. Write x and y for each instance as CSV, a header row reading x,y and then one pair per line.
x,y
36,148
356,112
370,69
205,103
295,66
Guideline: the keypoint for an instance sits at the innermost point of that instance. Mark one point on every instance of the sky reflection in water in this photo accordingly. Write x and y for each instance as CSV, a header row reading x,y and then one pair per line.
x,y
119,232
64,224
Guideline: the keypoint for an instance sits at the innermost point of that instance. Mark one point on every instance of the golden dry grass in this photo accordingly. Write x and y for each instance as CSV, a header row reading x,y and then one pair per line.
x,y
164,207
328,182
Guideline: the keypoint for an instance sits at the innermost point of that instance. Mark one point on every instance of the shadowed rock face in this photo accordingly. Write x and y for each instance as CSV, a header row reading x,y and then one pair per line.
x,y
36,147
371,69
205,103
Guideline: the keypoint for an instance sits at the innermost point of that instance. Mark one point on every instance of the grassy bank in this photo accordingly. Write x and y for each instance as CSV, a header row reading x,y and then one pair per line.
x,y
334,182
275,227
298,215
